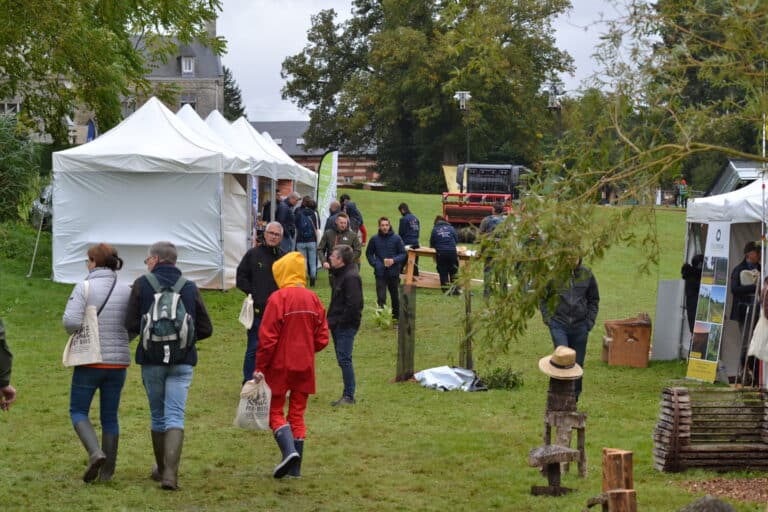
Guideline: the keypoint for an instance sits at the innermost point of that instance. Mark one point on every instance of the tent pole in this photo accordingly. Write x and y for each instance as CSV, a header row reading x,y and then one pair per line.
x,y
37,242
272,198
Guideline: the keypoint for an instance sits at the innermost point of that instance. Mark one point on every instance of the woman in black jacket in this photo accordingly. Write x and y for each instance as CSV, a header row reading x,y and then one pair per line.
x,y
691,274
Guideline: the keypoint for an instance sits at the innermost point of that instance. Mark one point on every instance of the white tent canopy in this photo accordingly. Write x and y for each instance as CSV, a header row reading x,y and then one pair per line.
x,y
151,178
744,210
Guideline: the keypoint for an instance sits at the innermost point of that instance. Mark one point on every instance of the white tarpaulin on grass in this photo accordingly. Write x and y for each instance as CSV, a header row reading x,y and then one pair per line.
x,y
151,178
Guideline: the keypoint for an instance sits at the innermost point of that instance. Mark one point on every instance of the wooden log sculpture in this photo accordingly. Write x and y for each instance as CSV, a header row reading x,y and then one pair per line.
x,y
561,415
618,483
550,457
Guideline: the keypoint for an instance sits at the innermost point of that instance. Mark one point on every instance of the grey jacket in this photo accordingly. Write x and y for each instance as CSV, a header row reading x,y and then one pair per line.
x,y
112,333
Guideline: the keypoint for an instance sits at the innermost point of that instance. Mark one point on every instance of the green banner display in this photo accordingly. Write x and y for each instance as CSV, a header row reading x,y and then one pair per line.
x,y
326,183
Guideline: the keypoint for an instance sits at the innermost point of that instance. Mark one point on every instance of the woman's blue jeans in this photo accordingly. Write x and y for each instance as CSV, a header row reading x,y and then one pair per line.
x,y
574,336
309,250
167,388
85,382
343,341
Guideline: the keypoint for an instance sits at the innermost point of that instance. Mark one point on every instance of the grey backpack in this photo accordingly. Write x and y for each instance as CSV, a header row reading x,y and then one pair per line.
x,y
167,330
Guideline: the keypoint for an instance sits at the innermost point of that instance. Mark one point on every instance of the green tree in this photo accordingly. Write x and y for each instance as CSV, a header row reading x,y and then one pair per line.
x,y
19,172
656,118
60,55
386,78
233,100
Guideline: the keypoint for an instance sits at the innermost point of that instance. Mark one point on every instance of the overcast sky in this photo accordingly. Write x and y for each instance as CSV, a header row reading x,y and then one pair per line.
x,y
261,33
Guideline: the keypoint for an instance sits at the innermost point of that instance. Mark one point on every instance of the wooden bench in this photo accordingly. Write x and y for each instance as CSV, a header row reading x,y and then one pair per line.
x,y
713,428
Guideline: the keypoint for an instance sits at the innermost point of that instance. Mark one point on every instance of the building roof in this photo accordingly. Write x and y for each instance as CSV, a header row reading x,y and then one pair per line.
x,y
736,174
289,135
207,64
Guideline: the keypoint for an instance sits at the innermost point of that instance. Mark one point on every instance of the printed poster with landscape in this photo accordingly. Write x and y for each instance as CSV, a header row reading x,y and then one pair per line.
x,y
710,309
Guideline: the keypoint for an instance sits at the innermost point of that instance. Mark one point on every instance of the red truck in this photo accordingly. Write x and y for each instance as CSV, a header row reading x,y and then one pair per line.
x,y
486,184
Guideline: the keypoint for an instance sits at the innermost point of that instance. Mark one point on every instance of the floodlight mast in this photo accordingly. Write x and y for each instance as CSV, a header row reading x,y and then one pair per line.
x,y
463,98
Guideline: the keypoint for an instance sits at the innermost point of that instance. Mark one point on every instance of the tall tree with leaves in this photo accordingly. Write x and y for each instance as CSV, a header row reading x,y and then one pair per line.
x,y
386,79
233,99
659,114
60,55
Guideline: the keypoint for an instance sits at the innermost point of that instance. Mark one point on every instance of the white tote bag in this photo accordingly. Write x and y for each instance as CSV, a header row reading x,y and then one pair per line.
x,y
83,346
253,409
758,347
246,312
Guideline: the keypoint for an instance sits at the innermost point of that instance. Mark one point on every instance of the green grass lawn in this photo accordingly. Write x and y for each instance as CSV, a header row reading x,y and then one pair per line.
x,y
402,447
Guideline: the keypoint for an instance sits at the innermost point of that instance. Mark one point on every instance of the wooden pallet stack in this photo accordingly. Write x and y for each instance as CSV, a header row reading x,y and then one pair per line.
x,y
713,428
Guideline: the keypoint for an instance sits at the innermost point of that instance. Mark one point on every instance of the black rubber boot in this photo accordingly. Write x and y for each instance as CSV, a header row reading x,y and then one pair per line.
x,y
96,457
284,439
158,446
174,439
296,469
109,444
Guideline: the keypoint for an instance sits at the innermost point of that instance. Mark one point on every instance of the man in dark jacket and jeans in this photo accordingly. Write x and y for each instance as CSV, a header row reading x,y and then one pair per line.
x,y
569,309
409,230
444,239
254,276
386,254
344,315
167,385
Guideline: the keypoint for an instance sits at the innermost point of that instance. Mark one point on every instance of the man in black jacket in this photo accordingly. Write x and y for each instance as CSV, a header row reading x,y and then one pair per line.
x,y
386,254
743,291
344,314
569,309
254,277
167,385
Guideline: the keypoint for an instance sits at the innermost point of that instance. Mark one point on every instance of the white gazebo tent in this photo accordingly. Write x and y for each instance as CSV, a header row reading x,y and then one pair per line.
x,y
744,209
151,178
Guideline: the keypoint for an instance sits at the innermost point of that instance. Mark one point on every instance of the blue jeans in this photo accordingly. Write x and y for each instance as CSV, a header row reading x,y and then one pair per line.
x,y
574,336
249,362
167,388
85,382
343,341
309,250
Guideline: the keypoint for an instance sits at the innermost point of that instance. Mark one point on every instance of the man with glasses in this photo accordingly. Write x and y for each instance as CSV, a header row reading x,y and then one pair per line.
x,y
254,277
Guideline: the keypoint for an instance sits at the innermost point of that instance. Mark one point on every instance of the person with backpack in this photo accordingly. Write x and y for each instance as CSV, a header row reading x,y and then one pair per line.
x,y
293,329
110,297
444,239
386,254
307,225
166,351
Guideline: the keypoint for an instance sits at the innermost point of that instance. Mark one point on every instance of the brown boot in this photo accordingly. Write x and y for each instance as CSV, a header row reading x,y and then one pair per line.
x,y
174,439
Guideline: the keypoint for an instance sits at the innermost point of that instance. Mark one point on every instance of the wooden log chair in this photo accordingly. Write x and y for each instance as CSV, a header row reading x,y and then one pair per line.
x,y
714,428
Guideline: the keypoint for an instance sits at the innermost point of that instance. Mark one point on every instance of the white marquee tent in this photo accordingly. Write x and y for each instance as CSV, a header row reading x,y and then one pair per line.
x,y
151,178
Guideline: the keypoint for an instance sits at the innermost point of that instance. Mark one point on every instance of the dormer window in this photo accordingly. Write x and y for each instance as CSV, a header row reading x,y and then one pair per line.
x,y
187,66
300,141
279,142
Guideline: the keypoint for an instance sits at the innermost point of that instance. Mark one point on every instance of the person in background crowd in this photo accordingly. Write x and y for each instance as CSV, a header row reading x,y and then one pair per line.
x,y
254,277
355,217
294,328
444,239
683,190
487,226
339,235
166,385
285,216
569,309
409,229
306,243
266,213
344,314
333,209
386,254
111,299
691,274
744,279
7,392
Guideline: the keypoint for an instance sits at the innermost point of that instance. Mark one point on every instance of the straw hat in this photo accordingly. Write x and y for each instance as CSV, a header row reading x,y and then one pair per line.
x,y
561,364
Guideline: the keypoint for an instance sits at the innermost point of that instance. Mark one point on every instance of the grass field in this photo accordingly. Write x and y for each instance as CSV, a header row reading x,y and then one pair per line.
x,y
402,447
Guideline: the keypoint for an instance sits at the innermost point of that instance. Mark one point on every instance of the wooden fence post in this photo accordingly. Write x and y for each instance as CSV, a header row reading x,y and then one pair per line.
x,y
406,333
618,482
